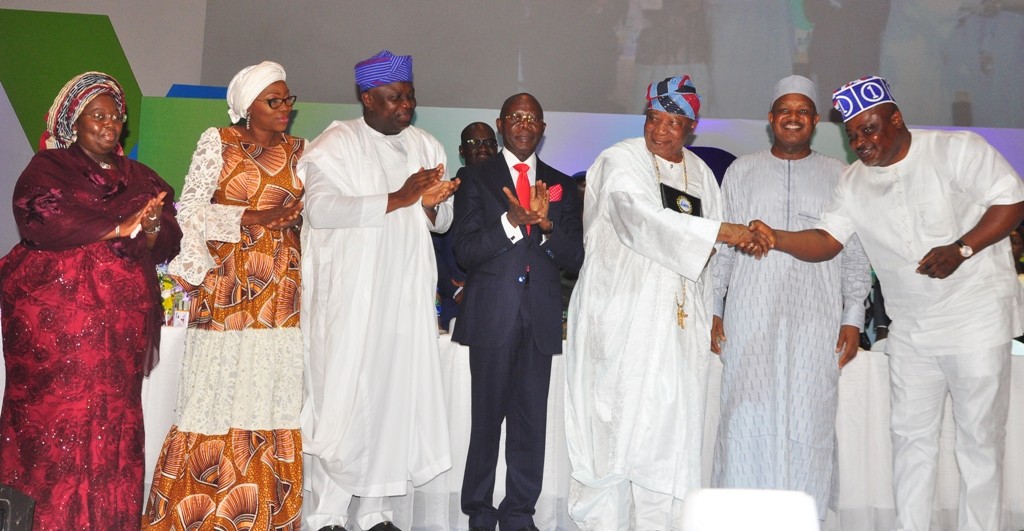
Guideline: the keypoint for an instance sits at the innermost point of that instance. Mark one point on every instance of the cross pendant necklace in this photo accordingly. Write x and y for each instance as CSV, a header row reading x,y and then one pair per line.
x,y
681,314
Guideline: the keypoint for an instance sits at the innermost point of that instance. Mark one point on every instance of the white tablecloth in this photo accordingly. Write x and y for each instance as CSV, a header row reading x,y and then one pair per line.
x,y
865,501
159,396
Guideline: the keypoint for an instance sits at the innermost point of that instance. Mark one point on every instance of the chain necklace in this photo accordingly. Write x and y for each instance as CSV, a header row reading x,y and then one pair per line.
x,y
680,299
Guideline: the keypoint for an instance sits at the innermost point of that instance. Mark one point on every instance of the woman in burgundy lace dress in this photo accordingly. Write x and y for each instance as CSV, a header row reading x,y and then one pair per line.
x,y
81,315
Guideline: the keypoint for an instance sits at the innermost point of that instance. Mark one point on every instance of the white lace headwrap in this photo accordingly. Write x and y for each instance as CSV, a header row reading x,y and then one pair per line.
x,y
247,84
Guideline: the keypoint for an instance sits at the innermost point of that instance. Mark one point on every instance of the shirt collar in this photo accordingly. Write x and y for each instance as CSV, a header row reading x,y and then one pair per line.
x,y
512,160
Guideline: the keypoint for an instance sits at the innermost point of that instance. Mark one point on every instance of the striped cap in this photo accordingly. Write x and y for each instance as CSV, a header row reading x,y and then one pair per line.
x,y
383,68
675,95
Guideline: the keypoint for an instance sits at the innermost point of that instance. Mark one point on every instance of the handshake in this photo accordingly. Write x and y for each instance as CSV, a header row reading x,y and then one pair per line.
x,y
755,238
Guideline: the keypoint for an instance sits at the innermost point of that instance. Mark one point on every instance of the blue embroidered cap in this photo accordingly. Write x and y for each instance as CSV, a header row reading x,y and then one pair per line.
x,y
383,68
860,95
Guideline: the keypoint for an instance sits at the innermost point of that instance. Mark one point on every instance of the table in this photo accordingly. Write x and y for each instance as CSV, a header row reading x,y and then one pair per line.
x,y
160,395
865,502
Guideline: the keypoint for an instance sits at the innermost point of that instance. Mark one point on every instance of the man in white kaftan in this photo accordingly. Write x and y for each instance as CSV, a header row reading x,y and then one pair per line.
x,y
785,319
640,324
374,416
933,210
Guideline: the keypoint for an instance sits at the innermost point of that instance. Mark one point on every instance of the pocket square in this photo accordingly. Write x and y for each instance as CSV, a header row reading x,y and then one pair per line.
x,y
555,193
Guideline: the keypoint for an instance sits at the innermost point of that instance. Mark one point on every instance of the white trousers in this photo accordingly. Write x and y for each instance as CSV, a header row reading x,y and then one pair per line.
x,y
326,503
622,506
979,386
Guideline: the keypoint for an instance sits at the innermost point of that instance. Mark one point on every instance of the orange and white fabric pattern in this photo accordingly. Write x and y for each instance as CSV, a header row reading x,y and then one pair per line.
x,y
234,459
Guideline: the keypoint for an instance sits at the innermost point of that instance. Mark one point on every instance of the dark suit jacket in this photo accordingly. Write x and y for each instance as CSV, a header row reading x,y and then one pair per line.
x,y
494,265
448,270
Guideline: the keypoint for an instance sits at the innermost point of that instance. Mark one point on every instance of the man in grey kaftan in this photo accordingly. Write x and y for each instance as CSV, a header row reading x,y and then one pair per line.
x,y
790,324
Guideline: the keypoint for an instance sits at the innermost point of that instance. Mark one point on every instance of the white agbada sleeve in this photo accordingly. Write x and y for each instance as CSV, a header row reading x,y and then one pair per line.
x,y
834,219
335,200
327,205
678,242
200,220
856,279
446,209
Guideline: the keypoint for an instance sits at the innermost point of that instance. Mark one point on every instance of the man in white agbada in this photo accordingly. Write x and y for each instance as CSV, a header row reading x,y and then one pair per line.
x,y
374,415
640,321
791,325
933,210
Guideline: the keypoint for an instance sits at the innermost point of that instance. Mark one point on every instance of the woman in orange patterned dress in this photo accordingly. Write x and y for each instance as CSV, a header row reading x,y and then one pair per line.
x,y
235,455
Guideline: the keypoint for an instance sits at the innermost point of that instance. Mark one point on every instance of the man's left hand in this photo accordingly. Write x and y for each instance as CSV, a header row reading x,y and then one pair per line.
x,y
941,261
460,291
848,343
539,203
439,193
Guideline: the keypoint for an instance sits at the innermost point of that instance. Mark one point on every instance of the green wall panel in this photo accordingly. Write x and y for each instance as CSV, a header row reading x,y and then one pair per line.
x,y
171,127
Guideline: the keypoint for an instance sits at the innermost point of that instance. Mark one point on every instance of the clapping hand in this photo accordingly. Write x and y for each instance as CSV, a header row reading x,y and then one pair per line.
x,y
275,218
540,200
439,193
149,216
415,187
520,216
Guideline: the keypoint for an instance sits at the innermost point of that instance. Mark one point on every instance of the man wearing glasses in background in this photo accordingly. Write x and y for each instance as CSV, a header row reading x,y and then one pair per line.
x,y
478,144
516,225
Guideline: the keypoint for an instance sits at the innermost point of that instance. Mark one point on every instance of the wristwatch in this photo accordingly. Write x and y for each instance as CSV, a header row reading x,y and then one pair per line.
x,y
965,250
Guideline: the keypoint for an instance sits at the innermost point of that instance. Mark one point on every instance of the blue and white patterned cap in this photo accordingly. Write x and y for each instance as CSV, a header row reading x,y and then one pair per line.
x,y
860,95
675,95
383,68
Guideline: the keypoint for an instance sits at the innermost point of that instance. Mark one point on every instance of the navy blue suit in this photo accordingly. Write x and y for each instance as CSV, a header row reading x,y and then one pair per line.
x,y
512,323
448,270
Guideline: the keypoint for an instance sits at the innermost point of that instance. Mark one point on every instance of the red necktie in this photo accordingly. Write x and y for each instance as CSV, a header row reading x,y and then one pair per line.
x,y
523,188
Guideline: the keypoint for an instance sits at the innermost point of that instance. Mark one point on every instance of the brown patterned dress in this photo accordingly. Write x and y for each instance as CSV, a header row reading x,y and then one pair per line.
x,y
234,459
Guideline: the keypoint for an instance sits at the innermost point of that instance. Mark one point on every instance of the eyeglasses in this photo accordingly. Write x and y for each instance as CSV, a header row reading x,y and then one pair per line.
x,y
114,117
523,118
275,103
489,142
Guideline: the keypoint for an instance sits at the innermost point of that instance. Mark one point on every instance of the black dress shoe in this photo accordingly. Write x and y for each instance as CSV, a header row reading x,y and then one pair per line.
x,y
528,528
384,526
332,528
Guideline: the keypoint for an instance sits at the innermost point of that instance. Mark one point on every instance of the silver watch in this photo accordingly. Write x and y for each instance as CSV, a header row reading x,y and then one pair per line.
x,y
965,250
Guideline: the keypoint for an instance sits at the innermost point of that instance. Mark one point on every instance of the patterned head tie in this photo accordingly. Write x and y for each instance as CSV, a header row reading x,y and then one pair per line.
x,y
383,68
860,95
675,95
247,85
70,102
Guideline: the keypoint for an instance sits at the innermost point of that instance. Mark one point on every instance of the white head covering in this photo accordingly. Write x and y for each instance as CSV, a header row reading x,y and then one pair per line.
x,y
795,85
247,84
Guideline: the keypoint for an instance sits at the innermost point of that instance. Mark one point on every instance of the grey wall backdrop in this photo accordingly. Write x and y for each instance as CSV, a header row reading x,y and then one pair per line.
x,y
597,55
591,56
